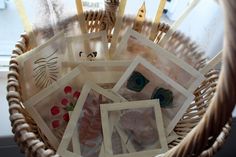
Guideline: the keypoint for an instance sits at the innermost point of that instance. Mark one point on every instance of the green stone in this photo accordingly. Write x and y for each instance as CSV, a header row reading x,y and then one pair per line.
x,y
165,96
137,82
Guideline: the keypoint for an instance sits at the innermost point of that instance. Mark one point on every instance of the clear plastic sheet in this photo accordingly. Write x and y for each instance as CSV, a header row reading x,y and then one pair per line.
x,y
142,81
133,128
105,73
83,135
138,125
48,17
42,66
134,44
90,47
51,107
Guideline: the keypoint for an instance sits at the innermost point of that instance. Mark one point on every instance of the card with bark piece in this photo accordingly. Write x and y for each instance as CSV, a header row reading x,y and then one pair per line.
x,y
134,44
133,129
143,81
83,135
92,46
50,108
41,66
105,73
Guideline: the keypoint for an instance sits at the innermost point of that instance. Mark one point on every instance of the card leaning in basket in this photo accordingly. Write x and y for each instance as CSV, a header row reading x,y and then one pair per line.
x,y
92,98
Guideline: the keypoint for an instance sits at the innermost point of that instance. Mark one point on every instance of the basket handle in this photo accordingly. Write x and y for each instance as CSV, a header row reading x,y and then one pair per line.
x,y
222,105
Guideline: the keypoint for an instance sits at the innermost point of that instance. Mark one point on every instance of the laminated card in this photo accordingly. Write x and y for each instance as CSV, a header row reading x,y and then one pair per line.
x,y
143,81
134,44
83,135
133,129
42,66
51,107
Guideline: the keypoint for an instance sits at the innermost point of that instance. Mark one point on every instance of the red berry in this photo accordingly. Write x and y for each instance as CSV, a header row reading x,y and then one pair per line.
x,y
64,101
55,124
66,117
76,94
68,89
55,110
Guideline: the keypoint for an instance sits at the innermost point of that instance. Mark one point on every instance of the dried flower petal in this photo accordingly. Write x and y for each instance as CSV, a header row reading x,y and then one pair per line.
x,y
55,124
76,94
68,89
64,101
55,110
66,117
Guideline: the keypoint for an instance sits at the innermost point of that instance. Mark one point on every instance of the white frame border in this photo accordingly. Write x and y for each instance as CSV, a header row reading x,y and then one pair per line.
x,y
34,100
105,108
189,96
68,134
199,77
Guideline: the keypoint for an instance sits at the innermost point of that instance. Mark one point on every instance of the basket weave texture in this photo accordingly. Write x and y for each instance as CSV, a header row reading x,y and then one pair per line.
x,y
33,143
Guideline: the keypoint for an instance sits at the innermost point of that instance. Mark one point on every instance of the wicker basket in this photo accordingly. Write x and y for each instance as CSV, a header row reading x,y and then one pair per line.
x,y
204,140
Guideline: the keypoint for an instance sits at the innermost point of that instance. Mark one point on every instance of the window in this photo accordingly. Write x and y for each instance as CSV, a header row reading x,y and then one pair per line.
x,y
10,30
11,26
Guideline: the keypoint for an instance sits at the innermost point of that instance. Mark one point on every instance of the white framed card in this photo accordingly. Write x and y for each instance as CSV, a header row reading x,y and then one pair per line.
x,y
42,66
51,106
143,81
85,123
133,129
134,44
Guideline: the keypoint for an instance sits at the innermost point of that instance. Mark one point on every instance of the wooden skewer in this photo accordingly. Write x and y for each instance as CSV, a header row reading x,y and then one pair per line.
x,y
25,21
157,19
24,18
79,8
82,24
117,27
177,23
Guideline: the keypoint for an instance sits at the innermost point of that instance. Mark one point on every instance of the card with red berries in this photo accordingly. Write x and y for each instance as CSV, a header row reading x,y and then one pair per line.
x,y
51,107
41,66
83,135
133,129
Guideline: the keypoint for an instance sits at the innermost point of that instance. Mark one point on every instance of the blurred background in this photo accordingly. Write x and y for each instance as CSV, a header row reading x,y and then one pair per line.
x,y
204,25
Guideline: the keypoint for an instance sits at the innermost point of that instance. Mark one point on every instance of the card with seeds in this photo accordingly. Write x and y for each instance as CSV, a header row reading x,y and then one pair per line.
x,y
41,66
133,128
105,73
92,46
50,107
134,44
83,135
143,81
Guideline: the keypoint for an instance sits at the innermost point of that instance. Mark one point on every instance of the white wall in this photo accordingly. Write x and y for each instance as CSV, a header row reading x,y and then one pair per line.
x,y
205,26
10,28
5,126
